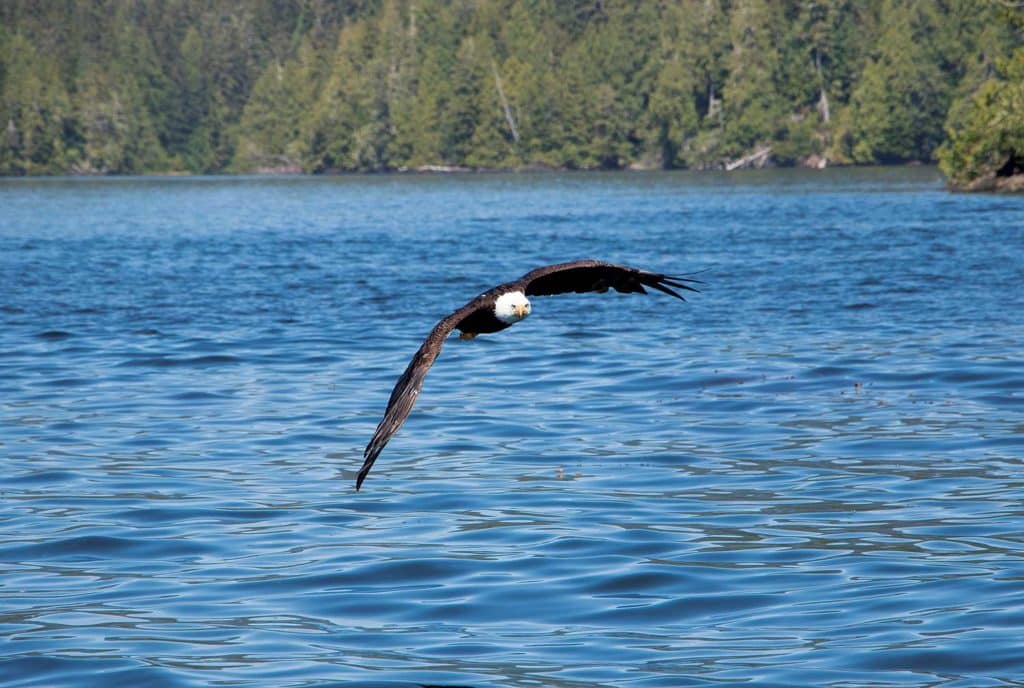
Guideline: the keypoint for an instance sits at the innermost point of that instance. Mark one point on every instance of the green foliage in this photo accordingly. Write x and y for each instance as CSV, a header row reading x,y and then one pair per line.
x,y
985,144
902,98
36,111
135,86
115,128
672,113
753,107
987,133
270,132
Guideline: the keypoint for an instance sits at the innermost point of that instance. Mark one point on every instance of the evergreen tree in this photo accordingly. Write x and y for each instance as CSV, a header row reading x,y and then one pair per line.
x,y
704,46
572,129
401,53
752,107
900,103
530,75
271,135
344,105
609,64
682,77
127,86
35,112
985,148
118,136
424,126
461,114
494,141
672,113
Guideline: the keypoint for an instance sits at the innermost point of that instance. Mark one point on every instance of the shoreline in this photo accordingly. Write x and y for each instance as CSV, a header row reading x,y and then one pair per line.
x,y
990,183
291,171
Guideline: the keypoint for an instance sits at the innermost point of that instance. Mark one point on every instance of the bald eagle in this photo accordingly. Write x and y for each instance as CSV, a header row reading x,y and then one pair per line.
x,y
501,307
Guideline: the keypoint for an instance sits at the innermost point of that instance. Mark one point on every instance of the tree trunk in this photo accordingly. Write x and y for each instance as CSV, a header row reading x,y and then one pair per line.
x,y
504,104
755,159
823,109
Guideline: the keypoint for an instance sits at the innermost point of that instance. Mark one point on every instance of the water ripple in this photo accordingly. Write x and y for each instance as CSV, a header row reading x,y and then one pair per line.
x,y
810,474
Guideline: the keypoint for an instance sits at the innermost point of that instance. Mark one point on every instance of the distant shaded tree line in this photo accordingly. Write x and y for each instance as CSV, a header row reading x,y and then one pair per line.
x,y
199,86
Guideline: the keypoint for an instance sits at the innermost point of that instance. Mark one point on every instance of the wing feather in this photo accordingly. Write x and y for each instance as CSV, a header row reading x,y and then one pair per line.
x,y
596,276
403,396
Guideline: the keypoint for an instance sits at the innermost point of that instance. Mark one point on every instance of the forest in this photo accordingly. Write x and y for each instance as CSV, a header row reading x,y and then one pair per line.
x,y
208,86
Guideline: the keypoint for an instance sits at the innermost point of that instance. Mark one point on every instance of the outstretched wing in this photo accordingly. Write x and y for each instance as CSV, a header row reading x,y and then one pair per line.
x,y
403,396
593,275
579,276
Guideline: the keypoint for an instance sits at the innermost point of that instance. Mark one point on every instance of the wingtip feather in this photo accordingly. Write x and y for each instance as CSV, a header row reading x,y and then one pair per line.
x,y
364,471
660,286
683,285
370,454
687,278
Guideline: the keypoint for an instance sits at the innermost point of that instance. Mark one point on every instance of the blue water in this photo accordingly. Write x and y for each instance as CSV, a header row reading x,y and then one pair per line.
x,y
812,473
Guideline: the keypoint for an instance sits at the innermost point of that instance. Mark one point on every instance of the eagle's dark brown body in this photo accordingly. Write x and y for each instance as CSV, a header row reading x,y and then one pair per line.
x,y
481,319
478,317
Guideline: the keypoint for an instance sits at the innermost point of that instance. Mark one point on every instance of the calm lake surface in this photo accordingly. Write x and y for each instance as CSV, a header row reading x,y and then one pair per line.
x,y
810,474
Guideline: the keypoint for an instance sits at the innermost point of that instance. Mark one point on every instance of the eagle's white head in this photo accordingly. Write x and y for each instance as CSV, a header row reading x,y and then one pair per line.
x,y
511,307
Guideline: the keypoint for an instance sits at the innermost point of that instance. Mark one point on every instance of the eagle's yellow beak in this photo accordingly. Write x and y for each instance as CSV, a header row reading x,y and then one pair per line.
x,y
521,310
